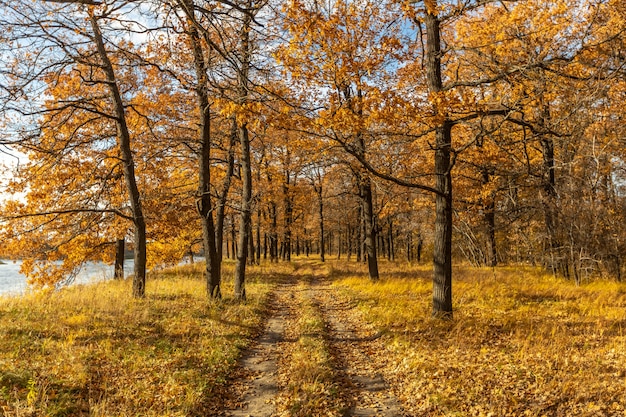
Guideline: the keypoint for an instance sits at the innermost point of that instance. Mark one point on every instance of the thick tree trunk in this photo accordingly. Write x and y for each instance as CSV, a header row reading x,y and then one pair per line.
x,y
442,257
119,259
245,227
549,203
124,143
203,202
365,193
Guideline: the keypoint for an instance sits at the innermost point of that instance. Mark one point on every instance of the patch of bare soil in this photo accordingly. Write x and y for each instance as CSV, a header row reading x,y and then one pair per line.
x,y
257,383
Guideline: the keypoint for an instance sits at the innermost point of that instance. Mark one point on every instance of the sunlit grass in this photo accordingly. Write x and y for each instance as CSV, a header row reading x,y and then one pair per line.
x,y
522,342
94,350
308,371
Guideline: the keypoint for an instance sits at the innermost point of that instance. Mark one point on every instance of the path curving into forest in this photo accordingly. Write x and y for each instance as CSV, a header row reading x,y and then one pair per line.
x,y
264,385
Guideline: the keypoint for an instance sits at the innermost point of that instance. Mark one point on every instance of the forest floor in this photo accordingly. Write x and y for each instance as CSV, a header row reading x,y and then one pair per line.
x,y
318,340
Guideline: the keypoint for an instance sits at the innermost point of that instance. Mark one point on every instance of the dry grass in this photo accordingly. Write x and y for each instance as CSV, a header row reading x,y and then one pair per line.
x,y
521,342
307,370
93,350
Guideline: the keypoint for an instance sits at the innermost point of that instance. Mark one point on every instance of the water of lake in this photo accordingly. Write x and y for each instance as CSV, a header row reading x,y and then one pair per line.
x,y
14,283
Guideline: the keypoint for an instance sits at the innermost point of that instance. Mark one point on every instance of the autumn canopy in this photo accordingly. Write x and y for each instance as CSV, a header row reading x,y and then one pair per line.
x,y
486,131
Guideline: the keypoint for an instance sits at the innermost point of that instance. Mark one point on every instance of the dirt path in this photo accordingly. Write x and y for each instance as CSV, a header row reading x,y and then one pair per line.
x,y
257,384
355,348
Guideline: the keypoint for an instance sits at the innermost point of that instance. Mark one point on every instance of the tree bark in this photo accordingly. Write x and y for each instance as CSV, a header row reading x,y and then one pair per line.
x,y
420,244
258,236
442,257
359,234
320,206
549,202
365,193
251,251
244,222
273,233
203,203
124,142
489,208
119,259
246,168
220,212
288,221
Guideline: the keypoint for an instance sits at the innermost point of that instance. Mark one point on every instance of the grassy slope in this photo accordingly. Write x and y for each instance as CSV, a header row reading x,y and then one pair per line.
x,y
93,350
521,342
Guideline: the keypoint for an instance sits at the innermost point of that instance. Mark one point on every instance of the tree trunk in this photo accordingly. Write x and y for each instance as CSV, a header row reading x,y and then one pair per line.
x,y
490,220
365,193
233,238
320,205
244,222
359,234
258,236
442,257
288,221
119,259
339,242
390,244
420,243
220,211
409,246
123,137
273,233
549,202
203,202
251,251
246,167
349,242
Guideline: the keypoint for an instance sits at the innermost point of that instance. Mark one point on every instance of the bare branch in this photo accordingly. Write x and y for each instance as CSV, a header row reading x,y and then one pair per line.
x,y
87,2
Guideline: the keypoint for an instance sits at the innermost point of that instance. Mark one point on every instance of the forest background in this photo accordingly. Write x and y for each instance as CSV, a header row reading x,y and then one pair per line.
x,y
485,131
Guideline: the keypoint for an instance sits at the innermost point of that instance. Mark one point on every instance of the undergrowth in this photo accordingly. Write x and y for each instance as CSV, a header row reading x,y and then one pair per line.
x,y
521,342
94,350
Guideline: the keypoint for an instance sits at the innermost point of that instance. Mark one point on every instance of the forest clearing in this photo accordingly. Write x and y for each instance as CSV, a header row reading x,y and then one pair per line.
x,y
521,343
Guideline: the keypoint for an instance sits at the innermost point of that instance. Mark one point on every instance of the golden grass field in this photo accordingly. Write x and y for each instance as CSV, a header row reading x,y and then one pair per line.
x,y
521,342
93,350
